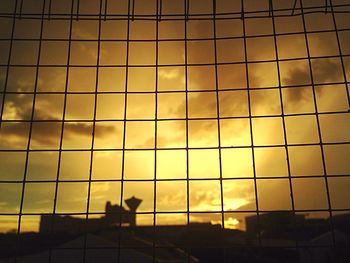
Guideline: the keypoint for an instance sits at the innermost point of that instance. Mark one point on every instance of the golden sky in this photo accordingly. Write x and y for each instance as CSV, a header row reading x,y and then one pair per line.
x,y
162,119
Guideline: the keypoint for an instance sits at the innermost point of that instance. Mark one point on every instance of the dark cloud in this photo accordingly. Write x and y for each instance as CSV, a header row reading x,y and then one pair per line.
x,y
327,70
48,133
323,70
43,133
297,76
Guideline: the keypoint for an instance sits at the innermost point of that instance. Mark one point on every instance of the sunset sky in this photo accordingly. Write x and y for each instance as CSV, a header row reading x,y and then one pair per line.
x,y
228,123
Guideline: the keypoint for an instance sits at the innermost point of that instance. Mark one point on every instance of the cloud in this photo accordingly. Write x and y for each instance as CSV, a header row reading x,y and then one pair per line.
x,y
10,196
48,133
85,129
296,75
43,133
171,199
205,199
327,70
207,196
169,73
324,71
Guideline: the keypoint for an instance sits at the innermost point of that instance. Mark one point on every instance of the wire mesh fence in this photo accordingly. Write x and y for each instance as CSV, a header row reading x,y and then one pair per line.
x,y
222,126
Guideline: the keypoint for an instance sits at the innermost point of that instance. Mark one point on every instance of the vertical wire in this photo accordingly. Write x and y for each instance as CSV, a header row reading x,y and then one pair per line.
x,y
187,10
62,125
160,10
78,9
251,125
21,9
133,10
218,117
93,131
340,54
283,117
188,252
8,64
318,125
106,10
124,132
49,10
270,8
294,6
30,134
5,90
155,137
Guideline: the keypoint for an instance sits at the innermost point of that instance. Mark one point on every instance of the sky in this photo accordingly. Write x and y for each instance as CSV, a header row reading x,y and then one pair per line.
x,y
171,133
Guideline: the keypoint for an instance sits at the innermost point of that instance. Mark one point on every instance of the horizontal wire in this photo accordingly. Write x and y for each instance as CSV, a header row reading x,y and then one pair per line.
x,y
169,91
159,119
286,12
177,65
178,148
181,212
111,180
175,39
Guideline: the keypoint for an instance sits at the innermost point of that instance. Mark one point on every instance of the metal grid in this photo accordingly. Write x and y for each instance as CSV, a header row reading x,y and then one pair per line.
x,y
295,9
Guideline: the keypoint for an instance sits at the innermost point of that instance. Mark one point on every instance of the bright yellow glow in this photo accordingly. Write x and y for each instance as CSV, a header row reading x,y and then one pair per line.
x,y
232,223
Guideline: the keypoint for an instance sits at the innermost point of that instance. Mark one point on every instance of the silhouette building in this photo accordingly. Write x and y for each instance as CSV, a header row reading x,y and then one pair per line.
x,y
275,222
115,216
